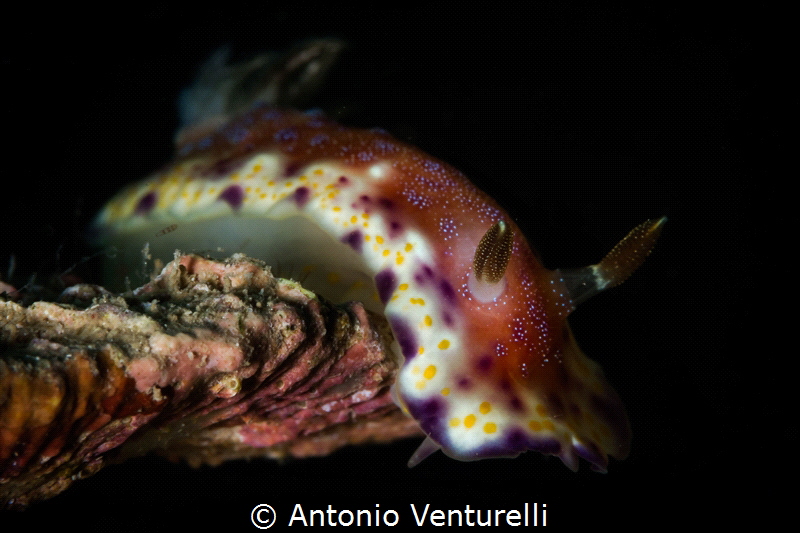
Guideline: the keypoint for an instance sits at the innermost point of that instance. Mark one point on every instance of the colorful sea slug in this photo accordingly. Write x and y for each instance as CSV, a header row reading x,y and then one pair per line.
x,y
490,367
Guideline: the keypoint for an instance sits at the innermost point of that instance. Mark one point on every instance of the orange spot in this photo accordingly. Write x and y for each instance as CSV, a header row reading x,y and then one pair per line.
x,y
485,407
535,425
548,425
469,421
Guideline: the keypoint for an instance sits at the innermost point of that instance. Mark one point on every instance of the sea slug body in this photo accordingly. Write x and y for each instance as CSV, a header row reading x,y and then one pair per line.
x,y
490,367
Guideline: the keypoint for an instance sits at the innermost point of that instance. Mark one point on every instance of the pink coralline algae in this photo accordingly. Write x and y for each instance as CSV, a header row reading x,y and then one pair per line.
x,y
210,361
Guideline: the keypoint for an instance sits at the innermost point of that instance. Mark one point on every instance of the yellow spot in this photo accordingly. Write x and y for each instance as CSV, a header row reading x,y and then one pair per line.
x,y
409,247
446,392
429,372
444,344
399,259
469,421
415,370
271,183
235,177
337,208
489,427
256,168
289,184
485,407
262,195
548,425
333,277
541,409
535,425
428,320
386,252
353,219
319,171
417,301
420,385
332,194
364,215
403,286
303,178
454,422
379,239
421,350
367,237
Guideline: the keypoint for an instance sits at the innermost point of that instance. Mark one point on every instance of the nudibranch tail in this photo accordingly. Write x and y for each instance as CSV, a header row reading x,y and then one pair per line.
x,y
489,365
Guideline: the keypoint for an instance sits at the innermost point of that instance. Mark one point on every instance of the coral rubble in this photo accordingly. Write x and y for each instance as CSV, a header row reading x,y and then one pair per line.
x,y
209,361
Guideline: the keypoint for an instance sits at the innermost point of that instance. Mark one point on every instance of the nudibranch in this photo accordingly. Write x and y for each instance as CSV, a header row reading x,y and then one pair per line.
x,y
489,365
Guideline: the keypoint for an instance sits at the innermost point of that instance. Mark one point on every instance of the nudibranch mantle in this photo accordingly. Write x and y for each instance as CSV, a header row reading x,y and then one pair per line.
x,y
358,215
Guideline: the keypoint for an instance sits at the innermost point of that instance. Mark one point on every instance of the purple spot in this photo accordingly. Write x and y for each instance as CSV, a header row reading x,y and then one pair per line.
x,y
447,291
285,135
430,415
364,198
291,169
316,140
146,203
386,203
234,195
220,169
464,383
343,180
405,337
484,364
447,318
395,229
354,239
301,196
365,156
386,281
516,403
517,440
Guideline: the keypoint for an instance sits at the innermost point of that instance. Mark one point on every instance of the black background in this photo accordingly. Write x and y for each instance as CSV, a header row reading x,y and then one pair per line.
x,y
581,121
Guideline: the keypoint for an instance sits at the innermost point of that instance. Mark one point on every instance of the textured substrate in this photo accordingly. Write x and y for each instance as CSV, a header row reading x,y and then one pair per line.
x,y
210,361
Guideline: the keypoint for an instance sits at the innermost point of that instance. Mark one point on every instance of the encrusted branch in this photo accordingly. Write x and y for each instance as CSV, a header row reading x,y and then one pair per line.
x,y
210,361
